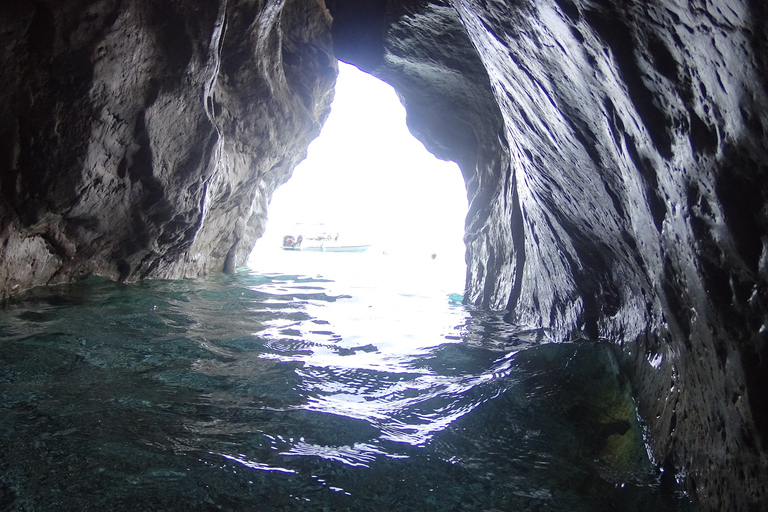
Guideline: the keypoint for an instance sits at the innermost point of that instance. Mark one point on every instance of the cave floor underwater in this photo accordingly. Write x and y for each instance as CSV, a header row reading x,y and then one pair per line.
x,y
282,391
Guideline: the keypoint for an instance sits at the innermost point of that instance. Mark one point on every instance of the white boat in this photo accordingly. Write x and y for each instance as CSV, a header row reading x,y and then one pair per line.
x,y
320,242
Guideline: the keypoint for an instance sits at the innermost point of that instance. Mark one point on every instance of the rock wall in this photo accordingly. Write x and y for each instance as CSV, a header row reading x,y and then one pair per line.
x,y
640,162
144,139
615,155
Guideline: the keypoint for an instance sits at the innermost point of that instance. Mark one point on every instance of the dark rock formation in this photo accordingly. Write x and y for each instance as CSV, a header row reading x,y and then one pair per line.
x,y
615,155
614,152
144,139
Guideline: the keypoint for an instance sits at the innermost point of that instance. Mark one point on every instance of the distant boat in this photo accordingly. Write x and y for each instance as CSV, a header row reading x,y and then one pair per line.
x,y
323,242
329,248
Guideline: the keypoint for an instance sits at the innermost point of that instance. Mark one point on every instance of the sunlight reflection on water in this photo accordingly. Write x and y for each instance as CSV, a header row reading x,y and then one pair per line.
x,y
342,383
400,307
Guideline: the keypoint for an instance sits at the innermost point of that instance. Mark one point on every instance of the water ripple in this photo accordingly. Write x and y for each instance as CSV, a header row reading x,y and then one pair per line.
x,y
268,391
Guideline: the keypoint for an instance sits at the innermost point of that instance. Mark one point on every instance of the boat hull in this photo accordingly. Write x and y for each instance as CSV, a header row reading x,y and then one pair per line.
x,y
329,248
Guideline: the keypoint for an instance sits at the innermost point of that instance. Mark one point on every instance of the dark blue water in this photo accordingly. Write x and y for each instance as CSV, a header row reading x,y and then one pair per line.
x,y
295,392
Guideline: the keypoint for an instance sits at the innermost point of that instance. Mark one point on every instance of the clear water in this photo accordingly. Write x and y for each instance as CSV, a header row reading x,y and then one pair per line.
x,y
282,391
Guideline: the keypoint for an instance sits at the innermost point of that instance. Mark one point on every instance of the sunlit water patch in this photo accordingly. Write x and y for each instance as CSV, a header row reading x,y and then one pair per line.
x,y
291,391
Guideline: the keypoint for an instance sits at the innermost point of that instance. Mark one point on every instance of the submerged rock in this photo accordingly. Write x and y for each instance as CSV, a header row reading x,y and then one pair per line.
x,y
614,154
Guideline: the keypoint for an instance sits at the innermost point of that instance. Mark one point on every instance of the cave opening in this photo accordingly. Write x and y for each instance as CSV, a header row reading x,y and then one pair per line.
x,y
368,181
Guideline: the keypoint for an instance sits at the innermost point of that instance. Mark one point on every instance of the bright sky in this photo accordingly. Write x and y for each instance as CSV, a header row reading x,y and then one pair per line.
x,y
368,178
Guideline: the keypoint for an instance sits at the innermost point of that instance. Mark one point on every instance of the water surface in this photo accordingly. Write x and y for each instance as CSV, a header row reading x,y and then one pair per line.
x,y
358,386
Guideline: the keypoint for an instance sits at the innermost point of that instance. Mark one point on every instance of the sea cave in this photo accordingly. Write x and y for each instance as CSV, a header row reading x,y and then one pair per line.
x,y
614,154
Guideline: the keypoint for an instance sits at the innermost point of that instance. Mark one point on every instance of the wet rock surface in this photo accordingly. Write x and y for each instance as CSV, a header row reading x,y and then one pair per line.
x,y
145,139
614,153
631,162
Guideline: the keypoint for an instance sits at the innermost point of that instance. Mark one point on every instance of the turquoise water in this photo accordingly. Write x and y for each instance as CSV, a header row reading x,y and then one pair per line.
x,y
357,385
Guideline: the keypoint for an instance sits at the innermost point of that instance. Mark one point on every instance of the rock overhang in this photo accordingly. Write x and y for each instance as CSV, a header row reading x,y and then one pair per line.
x,y
618,191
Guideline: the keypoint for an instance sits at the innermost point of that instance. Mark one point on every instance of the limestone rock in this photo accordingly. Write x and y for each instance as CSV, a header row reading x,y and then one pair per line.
x,y
622,195
144,139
